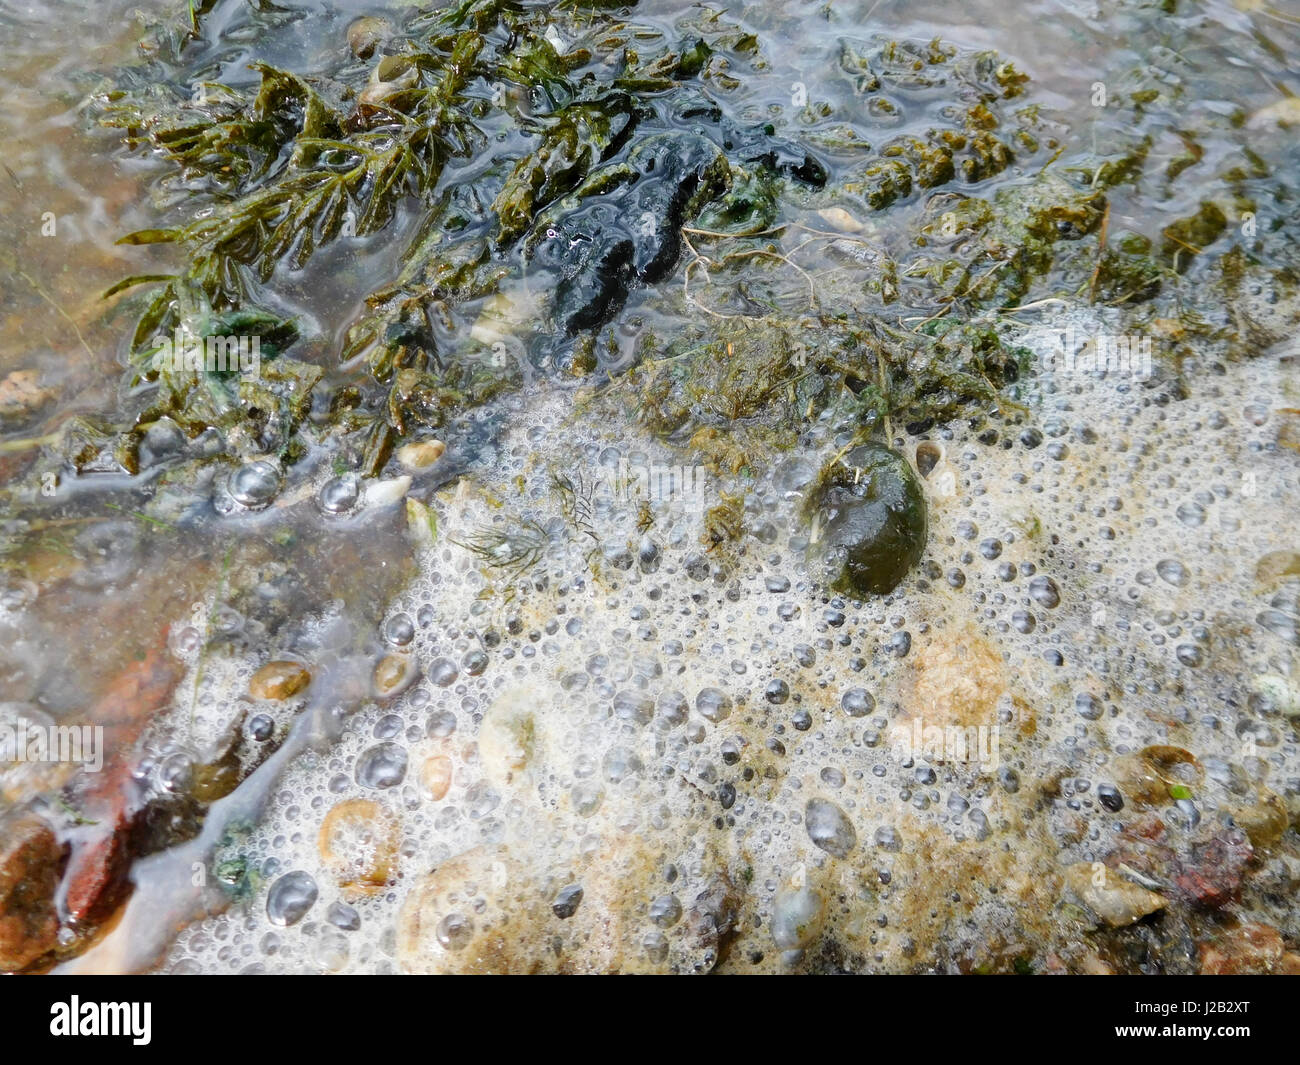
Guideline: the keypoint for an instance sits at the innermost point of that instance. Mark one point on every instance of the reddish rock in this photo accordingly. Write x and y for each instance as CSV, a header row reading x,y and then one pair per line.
x,y
1148,826
96,879
29,874
15,464
135,694
1211,876
1251,949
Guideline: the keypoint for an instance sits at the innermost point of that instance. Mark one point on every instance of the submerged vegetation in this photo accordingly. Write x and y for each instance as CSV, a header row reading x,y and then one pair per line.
x,y
531,178
578,175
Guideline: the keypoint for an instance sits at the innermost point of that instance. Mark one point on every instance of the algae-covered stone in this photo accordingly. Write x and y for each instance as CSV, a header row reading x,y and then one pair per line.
x,y
677,175
868,519
1264,821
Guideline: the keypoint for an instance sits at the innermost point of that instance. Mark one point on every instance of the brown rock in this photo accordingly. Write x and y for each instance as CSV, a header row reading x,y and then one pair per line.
x,y
20,394
1252,949
610,933
142,687
1288,429
959,681
711,922
1276,566
96,880
607,931
1146,777
29,874
1265,821
1091,964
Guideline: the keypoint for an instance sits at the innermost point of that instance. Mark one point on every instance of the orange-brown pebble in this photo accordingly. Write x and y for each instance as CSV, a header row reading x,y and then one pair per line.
x,y
358,843
435,776
279,680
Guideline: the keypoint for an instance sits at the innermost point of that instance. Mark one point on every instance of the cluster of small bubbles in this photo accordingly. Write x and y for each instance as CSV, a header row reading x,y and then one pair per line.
x,y
662,697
